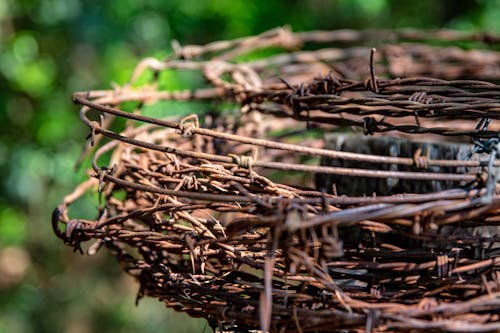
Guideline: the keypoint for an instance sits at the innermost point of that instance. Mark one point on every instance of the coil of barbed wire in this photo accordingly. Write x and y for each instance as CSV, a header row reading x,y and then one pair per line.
x,y
346,188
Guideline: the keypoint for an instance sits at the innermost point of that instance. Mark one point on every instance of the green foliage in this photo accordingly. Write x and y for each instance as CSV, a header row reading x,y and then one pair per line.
x,y
165,109
12,227
51,48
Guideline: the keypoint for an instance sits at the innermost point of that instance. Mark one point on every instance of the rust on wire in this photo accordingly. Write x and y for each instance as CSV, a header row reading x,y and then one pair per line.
x,y
266,214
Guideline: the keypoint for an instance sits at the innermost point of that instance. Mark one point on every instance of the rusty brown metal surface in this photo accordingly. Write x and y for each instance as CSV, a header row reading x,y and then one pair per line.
x,y
218,215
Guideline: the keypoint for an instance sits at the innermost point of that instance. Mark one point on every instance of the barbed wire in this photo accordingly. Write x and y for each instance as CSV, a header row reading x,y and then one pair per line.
x,y
224,215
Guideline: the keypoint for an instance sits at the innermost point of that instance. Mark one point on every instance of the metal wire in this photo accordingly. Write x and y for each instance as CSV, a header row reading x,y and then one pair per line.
x,y
199,210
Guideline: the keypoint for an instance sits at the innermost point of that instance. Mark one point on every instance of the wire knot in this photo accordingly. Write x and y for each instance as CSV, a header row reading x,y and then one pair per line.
x,y
101,175
442,266
421,162
188,124
95,126
93,129
420,97
190,182
242,161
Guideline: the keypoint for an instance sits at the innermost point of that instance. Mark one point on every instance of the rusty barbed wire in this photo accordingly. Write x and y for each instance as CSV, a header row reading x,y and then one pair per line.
x,y
225,216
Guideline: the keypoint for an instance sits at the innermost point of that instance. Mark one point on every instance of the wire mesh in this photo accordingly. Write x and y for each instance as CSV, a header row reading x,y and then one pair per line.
x,y
241,214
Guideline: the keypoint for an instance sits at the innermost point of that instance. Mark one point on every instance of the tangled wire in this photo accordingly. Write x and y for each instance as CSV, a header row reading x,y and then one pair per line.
x,y
226,214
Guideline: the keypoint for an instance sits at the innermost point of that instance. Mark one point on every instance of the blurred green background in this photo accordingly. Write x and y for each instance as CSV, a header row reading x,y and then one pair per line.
x,y
51,48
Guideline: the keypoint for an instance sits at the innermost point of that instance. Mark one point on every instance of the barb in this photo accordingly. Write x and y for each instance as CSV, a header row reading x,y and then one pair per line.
x,y
372,83
188,124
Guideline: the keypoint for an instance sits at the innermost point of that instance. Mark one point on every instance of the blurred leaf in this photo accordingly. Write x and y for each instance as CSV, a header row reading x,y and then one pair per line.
x,y
12,226
178,109
25,47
